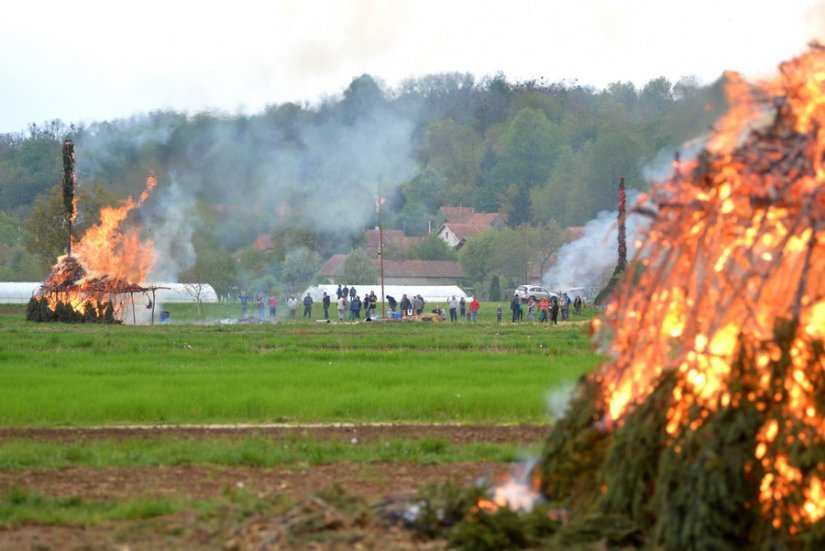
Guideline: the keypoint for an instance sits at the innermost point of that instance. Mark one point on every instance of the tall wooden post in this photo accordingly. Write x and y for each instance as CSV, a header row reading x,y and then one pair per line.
x,y
621,265
381,255
68,189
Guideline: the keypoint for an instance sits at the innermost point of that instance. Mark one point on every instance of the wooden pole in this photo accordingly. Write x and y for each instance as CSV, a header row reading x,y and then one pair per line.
x,y
381,256
68,190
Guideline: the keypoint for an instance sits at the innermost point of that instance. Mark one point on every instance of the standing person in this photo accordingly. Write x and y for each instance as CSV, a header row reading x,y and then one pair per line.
x,y
554,310
260,301
453,304
565,306
342,307
392,303
367,306
405,305
354,308
244,298
292,304
345,292
352,293
515,306
577,305
543,306
325,302
498,314
474,307
273,306
373,305
418,305
308,306
461,306
338,292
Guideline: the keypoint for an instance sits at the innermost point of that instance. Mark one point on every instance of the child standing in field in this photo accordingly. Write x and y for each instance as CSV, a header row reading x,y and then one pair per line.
x,y
273,306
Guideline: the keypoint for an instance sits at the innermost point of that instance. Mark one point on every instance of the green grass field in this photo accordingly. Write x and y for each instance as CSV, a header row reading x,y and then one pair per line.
x,y
298,372
198,371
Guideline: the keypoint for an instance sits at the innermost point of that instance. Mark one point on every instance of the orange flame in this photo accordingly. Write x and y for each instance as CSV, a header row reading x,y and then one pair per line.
x,y
107,262
105,249
735,248
518,491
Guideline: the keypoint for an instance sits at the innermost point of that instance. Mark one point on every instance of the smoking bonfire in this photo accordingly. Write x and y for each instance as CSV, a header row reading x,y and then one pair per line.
x,y
706,428
98,276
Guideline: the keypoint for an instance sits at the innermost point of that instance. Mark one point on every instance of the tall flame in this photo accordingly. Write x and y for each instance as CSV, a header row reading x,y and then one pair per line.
x,y
107,249
102,272
738,246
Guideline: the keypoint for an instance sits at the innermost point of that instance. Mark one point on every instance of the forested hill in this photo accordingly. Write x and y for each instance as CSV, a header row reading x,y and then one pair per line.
x,y
308,174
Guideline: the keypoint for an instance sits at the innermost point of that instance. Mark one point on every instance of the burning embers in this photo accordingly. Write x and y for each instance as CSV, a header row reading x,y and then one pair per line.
x,y
709,422
95,281
706,430
519,491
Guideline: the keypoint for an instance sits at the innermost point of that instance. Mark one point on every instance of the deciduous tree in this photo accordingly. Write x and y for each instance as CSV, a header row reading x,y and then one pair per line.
x,y
358,268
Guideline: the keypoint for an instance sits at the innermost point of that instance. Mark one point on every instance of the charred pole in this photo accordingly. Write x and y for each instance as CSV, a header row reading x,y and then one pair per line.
x,y
68,190
378,201
621,265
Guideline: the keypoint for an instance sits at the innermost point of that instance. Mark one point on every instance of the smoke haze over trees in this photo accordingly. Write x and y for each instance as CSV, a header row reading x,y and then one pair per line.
x,y
307,176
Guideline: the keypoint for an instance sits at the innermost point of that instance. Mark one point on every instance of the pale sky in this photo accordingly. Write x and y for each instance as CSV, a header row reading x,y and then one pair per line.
x,y
93,60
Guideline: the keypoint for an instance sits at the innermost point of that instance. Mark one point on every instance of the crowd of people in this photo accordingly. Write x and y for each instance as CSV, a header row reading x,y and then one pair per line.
x,y
350,305
549,309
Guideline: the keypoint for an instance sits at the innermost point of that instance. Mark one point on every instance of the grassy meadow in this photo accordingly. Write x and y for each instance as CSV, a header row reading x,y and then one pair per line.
x,y
197,370
202,369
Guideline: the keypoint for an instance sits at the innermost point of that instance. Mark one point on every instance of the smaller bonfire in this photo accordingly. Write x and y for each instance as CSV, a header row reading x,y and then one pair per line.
x,y
93,282
69,296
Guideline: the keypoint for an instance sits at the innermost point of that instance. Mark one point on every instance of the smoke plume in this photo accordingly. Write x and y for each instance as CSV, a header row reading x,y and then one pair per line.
x,y
289,168
589,260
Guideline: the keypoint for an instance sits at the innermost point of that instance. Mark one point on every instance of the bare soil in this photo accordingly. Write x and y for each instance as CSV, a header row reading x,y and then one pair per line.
x,y
374,482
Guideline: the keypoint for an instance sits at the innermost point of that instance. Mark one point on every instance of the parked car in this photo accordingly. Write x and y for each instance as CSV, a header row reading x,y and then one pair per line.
x,y
536,292
587,293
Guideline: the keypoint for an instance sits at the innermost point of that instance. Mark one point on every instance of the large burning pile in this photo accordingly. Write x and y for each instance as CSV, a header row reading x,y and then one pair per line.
x,y
94,281
706,430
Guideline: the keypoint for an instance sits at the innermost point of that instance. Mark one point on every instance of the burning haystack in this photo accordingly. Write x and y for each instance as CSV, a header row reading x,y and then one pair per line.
x,y
706,430
69,296
94,280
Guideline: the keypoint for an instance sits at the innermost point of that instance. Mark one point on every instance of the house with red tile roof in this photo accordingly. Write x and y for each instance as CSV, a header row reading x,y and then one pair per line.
x,y
461,223
395,242
400,272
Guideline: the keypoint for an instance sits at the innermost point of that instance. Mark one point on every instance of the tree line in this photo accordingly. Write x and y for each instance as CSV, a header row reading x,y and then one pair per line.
x,y
547,156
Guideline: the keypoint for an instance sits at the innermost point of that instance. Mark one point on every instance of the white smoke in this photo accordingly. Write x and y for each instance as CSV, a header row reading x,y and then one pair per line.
x,y
589,260
320,171
558,399
170,228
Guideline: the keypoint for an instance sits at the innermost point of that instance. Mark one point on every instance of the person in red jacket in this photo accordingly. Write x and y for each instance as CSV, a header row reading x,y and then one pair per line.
x,y
544,307
474,306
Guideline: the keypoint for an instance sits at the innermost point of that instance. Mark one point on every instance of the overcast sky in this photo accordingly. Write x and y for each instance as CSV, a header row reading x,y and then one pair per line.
x,y
91,60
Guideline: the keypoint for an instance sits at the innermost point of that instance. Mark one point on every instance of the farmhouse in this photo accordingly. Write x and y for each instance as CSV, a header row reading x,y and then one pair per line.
x,y
396,243
461,223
